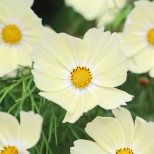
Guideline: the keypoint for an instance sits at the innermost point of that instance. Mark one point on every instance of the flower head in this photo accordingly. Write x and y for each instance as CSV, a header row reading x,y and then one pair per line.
x,y
138,38
119,135
15,138
20,30
80,74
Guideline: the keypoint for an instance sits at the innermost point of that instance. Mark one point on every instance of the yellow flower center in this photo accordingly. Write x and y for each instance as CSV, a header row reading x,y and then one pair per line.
x,y
81,77
9,150
124,151
150,36
11,34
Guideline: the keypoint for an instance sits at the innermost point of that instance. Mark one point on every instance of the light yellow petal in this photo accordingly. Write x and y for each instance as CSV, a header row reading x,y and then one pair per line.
x,y
28,2
86,147
151,73
87,100
30,128
111,78
63,48
106,17
133,43
147,8
126,122
103,59
9,129
11,8
139,63
50,84
89,9
134,19
107,132
49,30
111,98
66,98
143,132
8,60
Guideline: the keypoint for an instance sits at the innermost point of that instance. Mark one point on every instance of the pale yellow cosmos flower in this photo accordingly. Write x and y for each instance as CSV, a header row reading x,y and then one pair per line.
x,y
20,30
80,74
119,135
17,138
138,38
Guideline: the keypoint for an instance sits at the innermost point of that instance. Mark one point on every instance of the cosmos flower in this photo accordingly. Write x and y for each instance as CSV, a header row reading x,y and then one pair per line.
x,y
104,11
119,135
80,74
138,38
20,30
16,138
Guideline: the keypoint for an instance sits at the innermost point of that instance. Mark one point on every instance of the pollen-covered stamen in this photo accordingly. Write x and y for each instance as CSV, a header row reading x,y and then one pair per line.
x,y
9,150
124,151
150,36
81,77
11,34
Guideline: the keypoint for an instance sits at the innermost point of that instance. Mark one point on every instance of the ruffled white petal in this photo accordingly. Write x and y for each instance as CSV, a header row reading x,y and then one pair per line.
x,y
30,128
151,73
66,98
87,100
139,63
107,17
111,98
89,9
126,122
8,60
29,3
107,132
9,129
133,43
108,71
86,147
143,136
147,8
64,49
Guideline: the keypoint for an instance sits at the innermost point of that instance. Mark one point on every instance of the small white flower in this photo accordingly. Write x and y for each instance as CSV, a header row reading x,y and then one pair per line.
x,y
20,30
16,138
119,135
104,11
138,38
80,74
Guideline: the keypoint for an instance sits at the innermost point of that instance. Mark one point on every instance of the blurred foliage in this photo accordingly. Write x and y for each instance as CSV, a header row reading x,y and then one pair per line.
x,y
20,93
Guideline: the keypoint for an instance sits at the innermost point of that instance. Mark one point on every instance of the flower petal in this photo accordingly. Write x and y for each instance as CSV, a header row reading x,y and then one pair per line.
x,y
86,147
30,128
108,71
143,132
111,98
67,98
126,122
139,64
87,101
9,129
84,7
107,132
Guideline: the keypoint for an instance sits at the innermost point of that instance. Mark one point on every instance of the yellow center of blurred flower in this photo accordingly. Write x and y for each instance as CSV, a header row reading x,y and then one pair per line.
x,y
81,77
9,150
11,34
150,36
124,151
